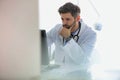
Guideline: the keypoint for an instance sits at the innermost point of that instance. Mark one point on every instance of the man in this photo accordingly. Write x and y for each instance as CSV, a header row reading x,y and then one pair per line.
x,y
74,40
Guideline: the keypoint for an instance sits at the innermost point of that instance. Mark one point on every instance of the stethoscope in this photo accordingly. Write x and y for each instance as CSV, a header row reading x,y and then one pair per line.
x,y
76,37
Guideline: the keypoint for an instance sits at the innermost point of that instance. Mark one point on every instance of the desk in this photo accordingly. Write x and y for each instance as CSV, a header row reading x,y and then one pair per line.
x,y
109,75
75,73
66,73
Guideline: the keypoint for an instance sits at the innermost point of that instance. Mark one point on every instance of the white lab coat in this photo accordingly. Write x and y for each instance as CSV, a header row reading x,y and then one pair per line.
x,y
73,53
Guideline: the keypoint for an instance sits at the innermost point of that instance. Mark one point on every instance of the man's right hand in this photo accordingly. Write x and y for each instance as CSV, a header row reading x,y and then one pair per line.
x,y
65,32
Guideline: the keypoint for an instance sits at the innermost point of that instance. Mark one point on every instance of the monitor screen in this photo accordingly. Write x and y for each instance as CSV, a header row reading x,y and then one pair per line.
x,y
44,48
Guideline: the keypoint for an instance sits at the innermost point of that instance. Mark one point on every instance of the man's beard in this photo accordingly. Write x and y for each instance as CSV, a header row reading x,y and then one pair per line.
x,y
69,26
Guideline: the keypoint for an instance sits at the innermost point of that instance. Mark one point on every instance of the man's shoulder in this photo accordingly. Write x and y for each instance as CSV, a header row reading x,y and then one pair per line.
x,y
88,30
58,25
55,29
91,31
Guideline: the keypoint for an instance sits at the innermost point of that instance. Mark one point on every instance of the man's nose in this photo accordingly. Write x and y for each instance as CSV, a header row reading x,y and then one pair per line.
x,y
65,22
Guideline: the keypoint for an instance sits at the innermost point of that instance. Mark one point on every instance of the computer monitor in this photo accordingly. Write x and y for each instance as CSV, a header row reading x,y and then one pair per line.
x,y
44,48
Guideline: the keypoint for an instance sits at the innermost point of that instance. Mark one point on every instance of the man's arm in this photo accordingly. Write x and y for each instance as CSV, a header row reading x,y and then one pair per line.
x,y
80,53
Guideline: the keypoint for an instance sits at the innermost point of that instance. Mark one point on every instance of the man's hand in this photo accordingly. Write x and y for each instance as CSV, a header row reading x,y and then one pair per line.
x,y
65,32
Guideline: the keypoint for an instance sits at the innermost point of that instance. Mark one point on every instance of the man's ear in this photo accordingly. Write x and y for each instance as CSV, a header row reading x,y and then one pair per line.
x,y
78,18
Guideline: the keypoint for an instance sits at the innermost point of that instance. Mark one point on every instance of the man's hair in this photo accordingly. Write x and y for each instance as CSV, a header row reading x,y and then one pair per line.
x,y
70,8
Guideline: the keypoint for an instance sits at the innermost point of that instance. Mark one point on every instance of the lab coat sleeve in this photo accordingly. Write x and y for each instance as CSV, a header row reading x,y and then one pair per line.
x,y
81,53
53,34
74,51
89,43
51,37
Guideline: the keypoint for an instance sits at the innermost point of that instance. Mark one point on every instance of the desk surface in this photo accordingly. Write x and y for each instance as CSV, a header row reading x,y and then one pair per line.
x,y
75,73
66,73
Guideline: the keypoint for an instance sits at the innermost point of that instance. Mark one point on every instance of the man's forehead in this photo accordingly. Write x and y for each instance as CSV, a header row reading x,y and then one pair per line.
x,y
66,15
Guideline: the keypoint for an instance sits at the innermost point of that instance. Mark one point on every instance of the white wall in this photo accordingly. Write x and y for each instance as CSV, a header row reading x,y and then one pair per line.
x,y
49,15
108,39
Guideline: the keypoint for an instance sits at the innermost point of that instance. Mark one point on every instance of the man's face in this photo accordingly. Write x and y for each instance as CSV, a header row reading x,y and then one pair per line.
x,y
68,20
